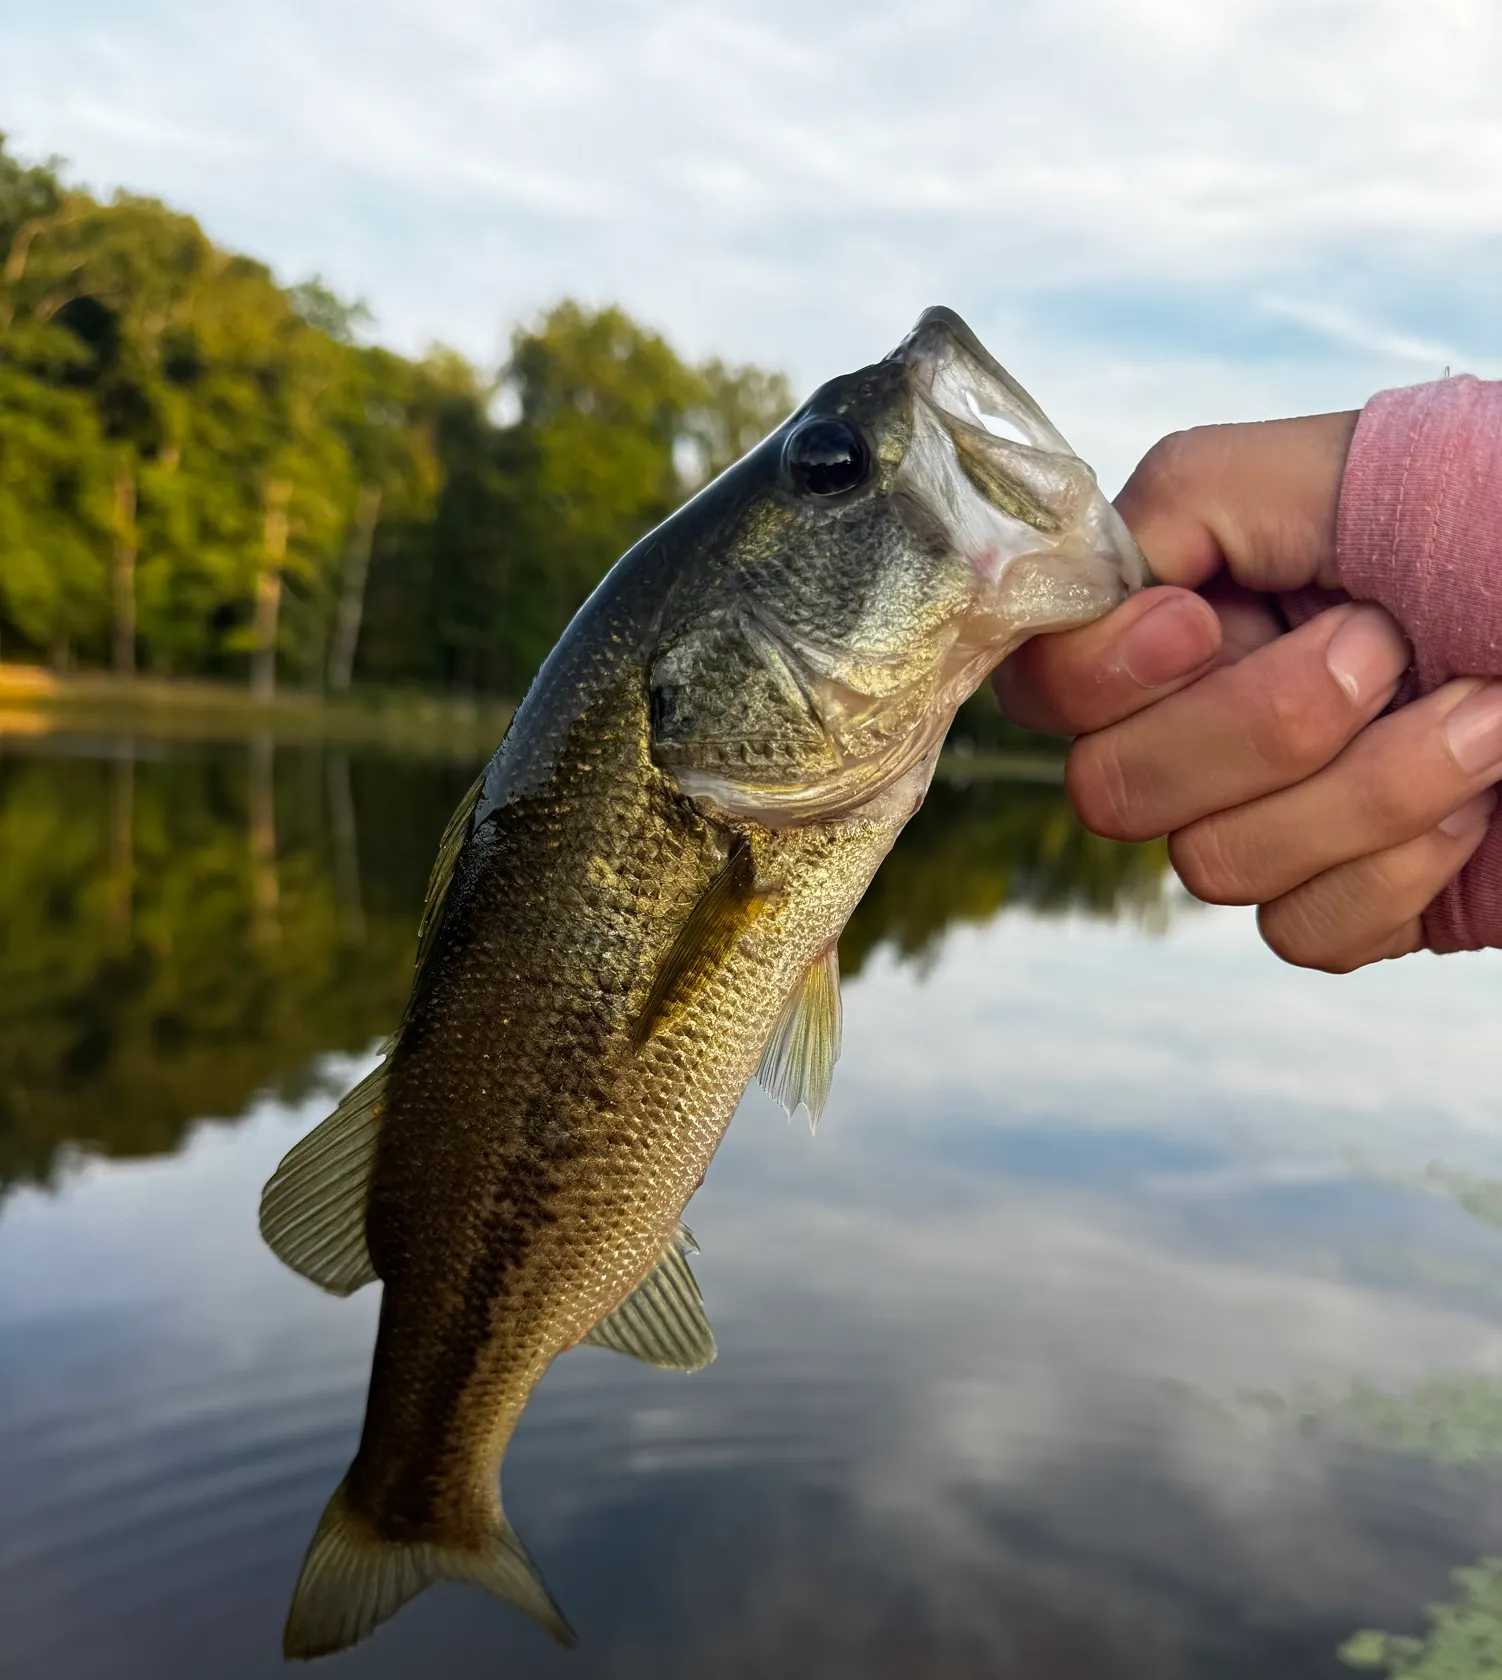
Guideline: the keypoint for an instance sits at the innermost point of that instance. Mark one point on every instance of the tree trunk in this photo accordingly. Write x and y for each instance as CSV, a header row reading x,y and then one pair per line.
x,y
120,884
124,575
352,599
269,590
346,839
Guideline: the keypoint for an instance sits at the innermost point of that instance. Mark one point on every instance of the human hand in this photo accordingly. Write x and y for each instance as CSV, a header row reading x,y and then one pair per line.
x,y
1260,751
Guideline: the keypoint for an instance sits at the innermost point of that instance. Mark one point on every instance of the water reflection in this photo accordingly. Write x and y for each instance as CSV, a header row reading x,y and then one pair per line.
x,y
990,1344
976,847
186,929
183,930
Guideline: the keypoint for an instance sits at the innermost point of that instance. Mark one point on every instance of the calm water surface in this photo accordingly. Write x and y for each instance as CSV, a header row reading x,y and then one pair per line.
x,y
1136,1312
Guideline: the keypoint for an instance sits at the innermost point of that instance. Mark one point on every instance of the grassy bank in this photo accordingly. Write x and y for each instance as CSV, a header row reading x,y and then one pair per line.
x,y
410,722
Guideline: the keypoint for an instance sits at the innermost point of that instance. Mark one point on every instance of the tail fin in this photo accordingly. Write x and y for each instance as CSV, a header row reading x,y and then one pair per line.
x,y
352,1580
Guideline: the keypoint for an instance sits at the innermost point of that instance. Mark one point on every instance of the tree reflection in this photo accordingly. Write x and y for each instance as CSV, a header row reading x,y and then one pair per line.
x,y
158,969
1464,1642
976,847
1451,1418
184,931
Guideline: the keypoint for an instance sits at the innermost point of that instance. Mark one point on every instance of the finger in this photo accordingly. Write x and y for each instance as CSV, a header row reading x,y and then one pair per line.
x,y
1248,621
1083,679
1399,778
1260,499
1243,731
1361,912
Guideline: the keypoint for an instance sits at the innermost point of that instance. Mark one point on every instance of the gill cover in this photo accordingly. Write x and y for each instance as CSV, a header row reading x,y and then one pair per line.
x,y
914,522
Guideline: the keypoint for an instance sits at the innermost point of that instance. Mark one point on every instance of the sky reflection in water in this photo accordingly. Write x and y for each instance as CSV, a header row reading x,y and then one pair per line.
x,y
1115,1323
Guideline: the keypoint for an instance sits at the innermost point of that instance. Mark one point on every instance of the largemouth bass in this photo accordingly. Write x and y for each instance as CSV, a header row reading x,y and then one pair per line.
x,y
636,909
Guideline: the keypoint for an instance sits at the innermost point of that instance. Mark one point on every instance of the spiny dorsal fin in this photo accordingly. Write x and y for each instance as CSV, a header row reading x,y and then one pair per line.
x,y
313,1206
449,848
729,906
662,1321
797,1065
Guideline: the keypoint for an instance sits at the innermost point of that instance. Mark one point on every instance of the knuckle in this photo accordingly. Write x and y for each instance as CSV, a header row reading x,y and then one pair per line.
x,y
1101,790
1293,930
1390,804
1336,922
1291,732
1167,464
1207,860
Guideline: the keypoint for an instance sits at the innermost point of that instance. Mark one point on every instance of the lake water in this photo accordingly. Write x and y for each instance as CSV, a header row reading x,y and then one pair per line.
x,y
1137,1310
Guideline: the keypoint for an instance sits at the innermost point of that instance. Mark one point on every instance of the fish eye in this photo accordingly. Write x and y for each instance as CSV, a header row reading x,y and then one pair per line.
x,y
826,456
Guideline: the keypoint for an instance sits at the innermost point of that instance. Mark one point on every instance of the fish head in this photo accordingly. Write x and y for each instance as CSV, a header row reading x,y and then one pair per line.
x,y
892,541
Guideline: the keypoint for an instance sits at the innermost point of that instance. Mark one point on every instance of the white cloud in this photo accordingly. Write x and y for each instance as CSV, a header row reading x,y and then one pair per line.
x,y
768,184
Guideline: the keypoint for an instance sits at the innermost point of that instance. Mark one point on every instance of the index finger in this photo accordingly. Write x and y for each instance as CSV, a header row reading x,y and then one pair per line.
x,y
1260,499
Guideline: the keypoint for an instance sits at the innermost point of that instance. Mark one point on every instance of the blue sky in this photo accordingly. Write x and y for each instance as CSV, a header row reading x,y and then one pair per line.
x,y
1155,211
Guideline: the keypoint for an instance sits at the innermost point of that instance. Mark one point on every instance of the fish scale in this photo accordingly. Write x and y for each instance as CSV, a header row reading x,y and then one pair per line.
x,y
636,907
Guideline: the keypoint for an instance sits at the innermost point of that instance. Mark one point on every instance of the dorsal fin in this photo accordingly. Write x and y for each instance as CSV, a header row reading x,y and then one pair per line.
x,y
728,907
662,1320
313,1206
797,1065
449,847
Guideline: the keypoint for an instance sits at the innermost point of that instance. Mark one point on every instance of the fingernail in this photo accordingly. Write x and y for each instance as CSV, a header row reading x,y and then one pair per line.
x,y
1471,816
1170,641
1473,731
1367,654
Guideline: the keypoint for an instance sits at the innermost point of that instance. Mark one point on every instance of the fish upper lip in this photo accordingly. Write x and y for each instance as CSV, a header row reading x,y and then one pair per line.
x,y
957,375
959,379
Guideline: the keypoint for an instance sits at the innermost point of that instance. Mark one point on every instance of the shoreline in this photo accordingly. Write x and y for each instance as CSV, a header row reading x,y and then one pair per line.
x,y
411,722
414,723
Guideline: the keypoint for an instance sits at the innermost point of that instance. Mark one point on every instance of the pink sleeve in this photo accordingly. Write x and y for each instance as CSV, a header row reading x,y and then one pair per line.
x,y
1421,533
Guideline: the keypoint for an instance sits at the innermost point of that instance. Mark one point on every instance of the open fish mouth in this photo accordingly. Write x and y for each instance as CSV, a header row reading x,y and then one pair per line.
x,y
996,471
960,377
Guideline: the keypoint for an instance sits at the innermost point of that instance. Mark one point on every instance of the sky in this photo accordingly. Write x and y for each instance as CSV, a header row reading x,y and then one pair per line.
x,y
1156,212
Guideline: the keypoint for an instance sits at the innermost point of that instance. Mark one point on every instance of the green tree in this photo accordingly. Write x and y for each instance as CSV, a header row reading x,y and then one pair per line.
x,y
386,419
119,279
208,472
737,407
54,516
603,405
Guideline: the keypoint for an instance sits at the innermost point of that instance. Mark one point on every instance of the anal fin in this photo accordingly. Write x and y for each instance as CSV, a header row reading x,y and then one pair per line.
x,y
662,1322
797,1066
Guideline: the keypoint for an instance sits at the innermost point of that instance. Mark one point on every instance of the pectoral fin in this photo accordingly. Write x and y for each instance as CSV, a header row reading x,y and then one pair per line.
x,y
313,1206
662,1321
729,906
797,1065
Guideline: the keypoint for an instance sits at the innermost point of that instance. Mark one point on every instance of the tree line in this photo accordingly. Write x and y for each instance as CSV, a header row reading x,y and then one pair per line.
x,y
204,472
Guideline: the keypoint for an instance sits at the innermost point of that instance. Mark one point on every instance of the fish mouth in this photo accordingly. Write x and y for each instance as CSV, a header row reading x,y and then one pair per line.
x,y
994,469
